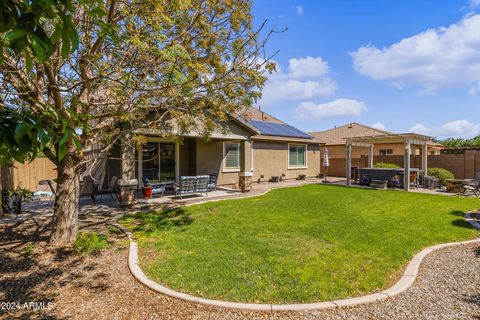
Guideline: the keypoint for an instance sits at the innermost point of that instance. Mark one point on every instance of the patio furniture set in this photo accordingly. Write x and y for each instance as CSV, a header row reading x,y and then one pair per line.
x,y
382,178
187,185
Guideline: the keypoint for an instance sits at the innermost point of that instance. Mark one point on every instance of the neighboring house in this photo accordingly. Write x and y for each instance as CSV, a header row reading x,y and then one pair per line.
x,y
334,140
257,146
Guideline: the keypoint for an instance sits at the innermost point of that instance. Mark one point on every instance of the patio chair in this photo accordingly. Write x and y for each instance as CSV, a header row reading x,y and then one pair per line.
x,y
201,184
473,187
157,188
212,182
111,189
186,185
87,188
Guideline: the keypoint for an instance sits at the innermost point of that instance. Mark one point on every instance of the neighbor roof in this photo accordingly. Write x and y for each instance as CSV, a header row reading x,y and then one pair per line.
x,y
337,136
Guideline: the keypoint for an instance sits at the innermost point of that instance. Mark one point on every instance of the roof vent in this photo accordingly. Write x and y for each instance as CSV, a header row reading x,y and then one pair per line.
x,y
350,125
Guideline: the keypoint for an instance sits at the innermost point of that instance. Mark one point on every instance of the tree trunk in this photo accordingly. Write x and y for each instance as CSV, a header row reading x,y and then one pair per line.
x,y
67,196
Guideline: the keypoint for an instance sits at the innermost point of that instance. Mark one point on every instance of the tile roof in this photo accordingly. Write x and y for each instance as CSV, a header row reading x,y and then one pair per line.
x,y
336,136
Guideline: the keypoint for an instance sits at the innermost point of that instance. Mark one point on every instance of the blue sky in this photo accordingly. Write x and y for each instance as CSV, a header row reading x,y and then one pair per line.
x,y
400,65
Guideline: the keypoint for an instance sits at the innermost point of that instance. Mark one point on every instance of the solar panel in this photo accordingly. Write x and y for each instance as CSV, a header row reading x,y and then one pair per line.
x,y
277,129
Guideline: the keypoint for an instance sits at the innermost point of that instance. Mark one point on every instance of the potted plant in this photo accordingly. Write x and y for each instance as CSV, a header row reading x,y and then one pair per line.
x,y
12,199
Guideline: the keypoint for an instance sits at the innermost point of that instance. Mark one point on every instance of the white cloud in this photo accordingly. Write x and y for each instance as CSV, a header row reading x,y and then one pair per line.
x,y
453,129
459,128
332,109
378,125
308,67
299,10
306,78
419,128
474,3
434,59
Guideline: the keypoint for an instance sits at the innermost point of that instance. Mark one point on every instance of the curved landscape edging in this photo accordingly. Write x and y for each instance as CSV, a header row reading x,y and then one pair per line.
x,y
405,282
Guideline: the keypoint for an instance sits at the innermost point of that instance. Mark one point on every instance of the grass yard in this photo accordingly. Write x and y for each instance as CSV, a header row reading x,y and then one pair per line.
x,y
304,244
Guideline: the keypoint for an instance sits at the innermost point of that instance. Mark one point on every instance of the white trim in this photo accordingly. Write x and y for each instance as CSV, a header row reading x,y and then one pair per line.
x,y
224,165
305,166
251,156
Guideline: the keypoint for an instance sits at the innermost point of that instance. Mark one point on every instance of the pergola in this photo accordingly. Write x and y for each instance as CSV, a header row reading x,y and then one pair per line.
x,y
408,139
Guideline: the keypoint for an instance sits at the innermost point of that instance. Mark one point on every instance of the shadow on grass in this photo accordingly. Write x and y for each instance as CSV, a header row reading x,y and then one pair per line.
x,y
153,221
457,213
462,223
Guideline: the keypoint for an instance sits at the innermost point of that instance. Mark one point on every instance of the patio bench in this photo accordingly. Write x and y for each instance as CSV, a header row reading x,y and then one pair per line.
x,y
192,184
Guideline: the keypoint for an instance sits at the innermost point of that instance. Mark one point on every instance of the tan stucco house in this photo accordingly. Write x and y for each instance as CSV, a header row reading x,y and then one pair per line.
x,y
256,147
335,139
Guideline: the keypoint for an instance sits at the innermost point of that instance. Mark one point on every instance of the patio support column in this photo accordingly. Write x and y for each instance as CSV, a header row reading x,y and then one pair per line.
x,y
127,184
406,167
348,164
128,156
370,156
425,159
177,161
140,166
245,175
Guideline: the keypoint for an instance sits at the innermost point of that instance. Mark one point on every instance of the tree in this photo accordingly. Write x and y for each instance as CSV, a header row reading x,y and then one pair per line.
x,y
458,145
119,65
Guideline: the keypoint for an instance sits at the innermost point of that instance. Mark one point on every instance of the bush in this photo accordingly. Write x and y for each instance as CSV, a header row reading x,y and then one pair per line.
x,y
440,173
90,242
386,165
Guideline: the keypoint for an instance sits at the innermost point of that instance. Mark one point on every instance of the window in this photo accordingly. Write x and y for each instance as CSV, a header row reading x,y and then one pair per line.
x,y
296,156
231,157
384,152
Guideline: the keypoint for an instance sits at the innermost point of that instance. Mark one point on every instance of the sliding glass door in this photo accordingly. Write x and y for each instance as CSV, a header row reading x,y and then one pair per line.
x,y
158,161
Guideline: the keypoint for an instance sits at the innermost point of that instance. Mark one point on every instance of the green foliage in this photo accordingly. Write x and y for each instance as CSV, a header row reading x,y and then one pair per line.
x,y
440,173
28,249
25,193
24,28
459,143
331,242
24,135
386,165
90,242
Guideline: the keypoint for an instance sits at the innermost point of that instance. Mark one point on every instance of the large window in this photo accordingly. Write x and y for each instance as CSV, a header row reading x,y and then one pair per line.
x,y
296,156
232,156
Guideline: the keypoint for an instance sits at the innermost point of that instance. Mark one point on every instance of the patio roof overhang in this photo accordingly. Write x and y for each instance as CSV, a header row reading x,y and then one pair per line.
x,y
412,138
191,134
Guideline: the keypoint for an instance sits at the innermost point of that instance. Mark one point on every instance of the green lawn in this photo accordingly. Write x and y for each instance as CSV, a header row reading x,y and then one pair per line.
x,y
304,244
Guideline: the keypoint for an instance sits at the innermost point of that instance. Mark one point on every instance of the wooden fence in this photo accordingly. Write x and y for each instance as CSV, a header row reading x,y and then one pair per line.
x,y
28,175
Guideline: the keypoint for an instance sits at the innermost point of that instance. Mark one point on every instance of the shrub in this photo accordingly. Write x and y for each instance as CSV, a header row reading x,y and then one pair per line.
x,y
440,173
90,242
386,165
28,249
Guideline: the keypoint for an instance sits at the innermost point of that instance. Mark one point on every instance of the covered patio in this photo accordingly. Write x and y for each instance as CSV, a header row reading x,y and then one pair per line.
x,y
409,140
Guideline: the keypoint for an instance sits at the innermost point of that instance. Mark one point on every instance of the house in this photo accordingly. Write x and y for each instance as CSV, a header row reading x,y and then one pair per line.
x,y
256,147
335,138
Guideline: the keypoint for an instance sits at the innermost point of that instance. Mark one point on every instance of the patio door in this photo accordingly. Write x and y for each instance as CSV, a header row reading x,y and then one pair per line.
x,y
167,161
158,161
